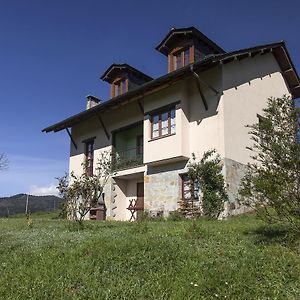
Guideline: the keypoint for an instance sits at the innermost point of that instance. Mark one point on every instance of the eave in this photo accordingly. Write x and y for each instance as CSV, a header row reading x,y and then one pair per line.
x,y
123,67
121,100
163,48
278,49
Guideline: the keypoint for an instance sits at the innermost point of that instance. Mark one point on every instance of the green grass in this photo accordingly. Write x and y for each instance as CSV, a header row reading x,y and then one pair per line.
x,y
235,259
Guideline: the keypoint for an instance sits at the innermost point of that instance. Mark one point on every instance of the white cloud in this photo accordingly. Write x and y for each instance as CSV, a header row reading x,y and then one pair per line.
x,y
43,190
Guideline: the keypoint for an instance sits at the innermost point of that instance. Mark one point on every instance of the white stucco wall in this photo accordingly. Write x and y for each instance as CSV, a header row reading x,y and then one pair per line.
x,y
206,127
124,190
172,146
197,130
247,86
120,201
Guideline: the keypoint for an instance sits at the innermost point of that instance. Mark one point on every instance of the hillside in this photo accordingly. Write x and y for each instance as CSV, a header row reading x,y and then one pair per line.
x,y
239,258
17,203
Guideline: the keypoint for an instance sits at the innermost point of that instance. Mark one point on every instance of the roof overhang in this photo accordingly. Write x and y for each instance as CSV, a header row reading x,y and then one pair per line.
x,y
132,95
192,31
109,74
278,49
282,57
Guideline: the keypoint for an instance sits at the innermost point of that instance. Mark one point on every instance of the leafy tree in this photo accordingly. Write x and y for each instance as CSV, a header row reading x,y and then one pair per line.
x,y
3,162
271,185
208,174
82,192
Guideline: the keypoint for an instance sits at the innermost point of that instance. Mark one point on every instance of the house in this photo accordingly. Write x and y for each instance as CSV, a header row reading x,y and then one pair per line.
x,y
154,125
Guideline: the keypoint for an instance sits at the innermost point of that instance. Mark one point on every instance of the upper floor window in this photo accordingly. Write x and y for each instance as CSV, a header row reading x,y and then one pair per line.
x,y
119,87
263,125
89,157
163,123
181,58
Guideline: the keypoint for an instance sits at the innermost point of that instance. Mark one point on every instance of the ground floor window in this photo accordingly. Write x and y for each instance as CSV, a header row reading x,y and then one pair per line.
x,y
189,188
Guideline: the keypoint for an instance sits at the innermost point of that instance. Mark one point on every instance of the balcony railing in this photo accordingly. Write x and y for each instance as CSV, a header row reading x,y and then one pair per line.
x,y
129,158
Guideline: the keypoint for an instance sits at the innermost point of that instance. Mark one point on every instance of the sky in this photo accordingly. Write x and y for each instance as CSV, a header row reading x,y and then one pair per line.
x,y
52,53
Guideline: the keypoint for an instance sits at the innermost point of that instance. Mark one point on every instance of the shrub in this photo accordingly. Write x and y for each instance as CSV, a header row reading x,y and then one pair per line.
x,y
271,185
83,192
207,173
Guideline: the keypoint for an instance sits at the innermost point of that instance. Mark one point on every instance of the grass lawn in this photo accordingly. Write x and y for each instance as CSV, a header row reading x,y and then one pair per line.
x,y
235,259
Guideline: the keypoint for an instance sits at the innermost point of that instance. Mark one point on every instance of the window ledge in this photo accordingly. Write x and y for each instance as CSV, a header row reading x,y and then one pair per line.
x,y
161,137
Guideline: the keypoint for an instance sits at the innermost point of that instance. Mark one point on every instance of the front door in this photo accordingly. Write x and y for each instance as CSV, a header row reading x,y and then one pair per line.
x,y
140,197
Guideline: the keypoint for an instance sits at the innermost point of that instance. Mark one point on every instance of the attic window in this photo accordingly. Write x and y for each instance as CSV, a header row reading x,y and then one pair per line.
x,y
119,87
181,58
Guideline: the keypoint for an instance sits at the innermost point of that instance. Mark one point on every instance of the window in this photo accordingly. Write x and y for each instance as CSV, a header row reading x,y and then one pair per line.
x,y
181,58
163,124
89,157
177,61
120,87
187,186
263,124
186,56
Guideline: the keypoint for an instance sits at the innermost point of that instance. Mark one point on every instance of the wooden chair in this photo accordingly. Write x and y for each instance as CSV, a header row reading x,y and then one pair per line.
x,y
135,205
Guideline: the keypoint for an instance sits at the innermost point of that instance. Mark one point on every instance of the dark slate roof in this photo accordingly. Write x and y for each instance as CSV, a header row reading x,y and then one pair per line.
x,y
162,47
123,67
278,49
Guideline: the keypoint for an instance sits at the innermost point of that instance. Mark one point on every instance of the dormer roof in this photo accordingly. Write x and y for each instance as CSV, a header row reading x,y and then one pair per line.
x,y
116,70
278,49
189,33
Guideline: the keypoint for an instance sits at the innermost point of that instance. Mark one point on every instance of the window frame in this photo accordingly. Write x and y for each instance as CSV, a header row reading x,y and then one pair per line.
x,y
261,120
181,53
89,156
159,114
119,87
197,188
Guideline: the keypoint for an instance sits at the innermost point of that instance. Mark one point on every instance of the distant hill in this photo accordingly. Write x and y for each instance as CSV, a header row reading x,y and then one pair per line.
x,y
16,204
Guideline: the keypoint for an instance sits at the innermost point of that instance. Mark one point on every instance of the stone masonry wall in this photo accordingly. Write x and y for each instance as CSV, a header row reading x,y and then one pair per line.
x,y
234,172
162,188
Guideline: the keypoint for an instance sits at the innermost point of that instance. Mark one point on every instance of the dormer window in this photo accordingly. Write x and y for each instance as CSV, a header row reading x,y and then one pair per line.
x,y
185,46
119,87
123,78
181,58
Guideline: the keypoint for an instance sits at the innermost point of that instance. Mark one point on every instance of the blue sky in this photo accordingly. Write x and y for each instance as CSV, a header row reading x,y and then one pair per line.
x,y
53,52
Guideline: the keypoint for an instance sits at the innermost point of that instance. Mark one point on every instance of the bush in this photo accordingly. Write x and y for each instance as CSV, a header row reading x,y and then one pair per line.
x,y
63,210
271,185
207,173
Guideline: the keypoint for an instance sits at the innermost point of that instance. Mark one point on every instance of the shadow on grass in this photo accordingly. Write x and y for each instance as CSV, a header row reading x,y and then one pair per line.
x,y
275,234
